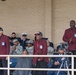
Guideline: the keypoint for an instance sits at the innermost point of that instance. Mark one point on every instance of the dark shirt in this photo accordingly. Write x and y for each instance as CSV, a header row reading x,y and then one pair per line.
x,y
23,43
61,60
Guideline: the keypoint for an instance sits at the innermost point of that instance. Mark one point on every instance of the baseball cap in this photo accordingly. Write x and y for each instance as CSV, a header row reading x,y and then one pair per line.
x,y
24,34
39,33
59,48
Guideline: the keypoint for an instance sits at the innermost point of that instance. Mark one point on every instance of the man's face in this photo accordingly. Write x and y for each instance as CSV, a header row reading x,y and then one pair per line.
x,y
1,32
24,37
61,51
29,45
15,43
25,53
72,24
48,44
13,35
38,37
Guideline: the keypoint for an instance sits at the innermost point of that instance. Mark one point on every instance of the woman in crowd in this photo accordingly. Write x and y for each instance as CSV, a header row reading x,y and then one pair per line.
x,y
50,49
30,47
23,62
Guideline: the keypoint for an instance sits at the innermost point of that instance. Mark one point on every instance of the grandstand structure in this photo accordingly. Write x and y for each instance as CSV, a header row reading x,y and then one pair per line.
x,y
51,17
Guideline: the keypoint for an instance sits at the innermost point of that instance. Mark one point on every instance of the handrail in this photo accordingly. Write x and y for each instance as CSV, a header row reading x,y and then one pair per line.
x,y
39,69
37,55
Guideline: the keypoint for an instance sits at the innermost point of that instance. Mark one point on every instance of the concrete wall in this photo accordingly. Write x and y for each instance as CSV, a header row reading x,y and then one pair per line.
x,y
25,16
63,11
51,17
22,16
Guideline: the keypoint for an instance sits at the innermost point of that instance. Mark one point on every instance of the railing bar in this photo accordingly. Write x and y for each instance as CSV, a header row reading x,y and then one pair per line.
x,y
33,69
3,68
38,55
40,69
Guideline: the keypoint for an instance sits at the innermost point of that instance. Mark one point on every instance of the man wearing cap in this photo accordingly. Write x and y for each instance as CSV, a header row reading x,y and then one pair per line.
x,y
23,40
59,62
40,48
16,49
4,50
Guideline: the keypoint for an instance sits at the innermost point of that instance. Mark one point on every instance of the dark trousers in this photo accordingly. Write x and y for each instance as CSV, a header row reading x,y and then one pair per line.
x,y
40,64
74,53
3,63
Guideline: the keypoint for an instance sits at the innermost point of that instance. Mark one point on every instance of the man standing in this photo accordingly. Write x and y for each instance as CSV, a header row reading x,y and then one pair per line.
x,y
70,37
4,50
40,48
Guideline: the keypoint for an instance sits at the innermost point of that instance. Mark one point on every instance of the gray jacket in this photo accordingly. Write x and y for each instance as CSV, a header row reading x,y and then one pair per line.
x,y
17,51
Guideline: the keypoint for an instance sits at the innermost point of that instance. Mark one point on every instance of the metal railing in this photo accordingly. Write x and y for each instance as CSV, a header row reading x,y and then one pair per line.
x,y
38,69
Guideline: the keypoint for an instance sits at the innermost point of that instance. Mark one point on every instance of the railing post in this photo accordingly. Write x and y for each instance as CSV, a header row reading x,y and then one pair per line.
x,y
8,65
72,65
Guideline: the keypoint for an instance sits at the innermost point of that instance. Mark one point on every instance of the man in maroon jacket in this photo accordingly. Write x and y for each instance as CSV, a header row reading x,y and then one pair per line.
x,y
40,48
70,37
4,50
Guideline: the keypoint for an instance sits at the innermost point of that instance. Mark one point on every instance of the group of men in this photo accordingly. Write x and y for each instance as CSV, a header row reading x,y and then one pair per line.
x,y
40,48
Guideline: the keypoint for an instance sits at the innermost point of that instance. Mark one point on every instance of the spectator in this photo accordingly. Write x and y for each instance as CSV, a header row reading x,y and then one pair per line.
x,y
50,49
23,62
59,62
29,47
40,48
13,36
70,37
16,49
4,50
11,43
51,44
23,40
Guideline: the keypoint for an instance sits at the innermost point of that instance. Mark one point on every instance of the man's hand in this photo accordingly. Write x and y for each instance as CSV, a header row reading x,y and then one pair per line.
x,y
14,47
6,58
38,59
57,63
70,40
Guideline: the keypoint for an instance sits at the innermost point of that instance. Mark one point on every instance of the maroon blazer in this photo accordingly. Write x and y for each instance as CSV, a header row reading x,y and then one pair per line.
x,y
4,45
40,48
68,35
